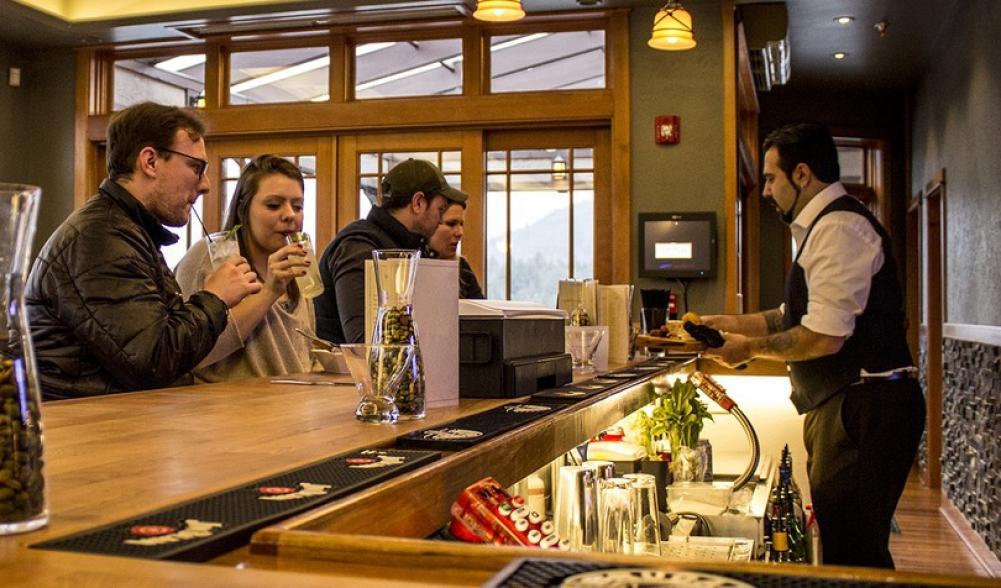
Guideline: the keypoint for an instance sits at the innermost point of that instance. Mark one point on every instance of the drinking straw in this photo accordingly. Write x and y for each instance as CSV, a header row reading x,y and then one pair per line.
x,y
195,212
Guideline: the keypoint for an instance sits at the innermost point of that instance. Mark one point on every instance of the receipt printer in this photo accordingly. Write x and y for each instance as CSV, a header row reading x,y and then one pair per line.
x,y
509,349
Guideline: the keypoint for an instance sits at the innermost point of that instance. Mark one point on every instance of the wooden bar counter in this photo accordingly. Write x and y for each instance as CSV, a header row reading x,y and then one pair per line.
x,y
116,457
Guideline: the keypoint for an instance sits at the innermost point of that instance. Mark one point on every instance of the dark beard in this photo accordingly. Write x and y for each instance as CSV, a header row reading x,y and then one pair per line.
x,y
786,216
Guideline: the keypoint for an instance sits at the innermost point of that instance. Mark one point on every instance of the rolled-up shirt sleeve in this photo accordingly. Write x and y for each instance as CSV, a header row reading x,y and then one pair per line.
x,y
842,255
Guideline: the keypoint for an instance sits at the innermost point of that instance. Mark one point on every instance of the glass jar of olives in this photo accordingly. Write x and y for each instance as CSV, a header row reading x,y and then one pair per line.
x,y
395,273
22,484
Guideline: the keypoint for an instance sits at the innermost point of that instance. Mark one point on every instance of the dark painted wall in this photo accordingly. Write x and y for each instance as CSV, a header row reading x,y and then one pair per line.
x,y
687,177
957,126
36,127
877,112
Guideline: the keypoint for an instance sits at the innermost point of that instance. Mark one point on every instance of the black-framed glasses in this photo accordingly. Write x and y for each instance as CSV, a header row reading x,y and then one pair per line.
x,y
203,165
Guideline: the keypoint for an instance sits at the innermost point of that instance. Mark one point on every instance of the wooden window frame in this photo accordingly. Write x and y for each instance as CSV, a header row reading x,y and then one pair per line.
x,y
605,233
470,114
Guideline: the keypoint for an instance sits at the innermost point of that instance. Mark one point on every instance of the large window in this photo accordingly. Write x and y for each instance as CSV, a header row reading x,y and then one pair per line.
x,y
540,221
409,68
175,81
547,61
301,74
348,103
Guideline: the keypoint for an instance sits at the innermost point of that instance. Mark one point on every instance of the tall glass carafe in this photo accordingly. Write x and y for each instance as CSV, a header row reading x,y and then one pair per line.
x,y
22,484
395,273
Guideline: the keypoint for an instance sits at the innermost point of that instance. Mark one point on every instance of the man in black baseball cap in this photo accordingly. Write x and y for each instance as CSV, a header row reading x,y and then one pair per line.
x,y
413,198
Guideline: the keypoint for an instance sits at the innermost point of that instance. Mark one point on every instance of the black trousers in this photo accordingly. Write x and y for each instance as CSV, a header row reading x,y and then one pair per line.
x,y
861,444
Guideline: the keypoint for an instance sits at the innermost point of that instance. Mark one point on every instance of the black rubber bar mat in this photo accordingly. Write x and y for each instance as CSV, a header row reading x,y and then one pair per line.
x,y
583,390
543,573
468,431
207,527
577,392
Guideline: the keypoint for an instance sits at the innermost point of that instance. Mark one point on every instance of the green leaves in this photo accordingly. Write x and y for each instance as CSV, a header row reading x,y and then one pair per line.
x,y
678,414
231,233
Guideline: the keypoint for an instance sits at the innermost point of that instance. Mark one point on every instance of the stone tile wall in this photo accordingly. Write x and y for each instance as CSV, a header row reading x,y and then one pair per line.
x,y
971,435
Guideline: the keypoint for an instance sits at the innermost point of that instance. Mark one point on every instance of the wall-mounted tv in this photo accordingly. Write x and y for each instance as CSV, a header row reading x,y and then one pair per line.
x,y
677,245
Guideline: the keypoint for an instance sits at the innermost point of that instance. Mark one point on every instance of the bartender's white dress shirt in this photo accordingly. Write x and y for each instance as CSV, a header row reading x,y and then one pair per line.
x,y
839,260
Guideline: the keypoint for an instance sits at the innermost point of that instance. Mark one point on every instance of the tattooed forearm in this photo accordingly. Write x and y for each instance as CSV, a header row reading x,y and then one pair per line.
x,y
796,344
780,344
773,320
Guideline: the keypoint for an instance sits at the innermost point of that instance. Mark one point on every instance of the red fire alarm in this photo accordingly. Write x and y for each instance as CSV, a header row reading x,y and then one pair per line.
x,y
667,129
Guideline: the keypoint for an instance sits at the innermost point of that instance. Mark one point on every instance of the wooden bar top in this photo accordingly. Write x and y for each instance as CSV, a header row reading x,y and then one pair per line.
x,y
113,457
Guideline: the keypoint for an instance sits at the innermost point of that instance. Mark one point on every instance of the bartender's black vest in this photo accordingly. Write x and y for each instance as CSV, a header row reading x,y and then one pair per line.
x,y
878,343
383,232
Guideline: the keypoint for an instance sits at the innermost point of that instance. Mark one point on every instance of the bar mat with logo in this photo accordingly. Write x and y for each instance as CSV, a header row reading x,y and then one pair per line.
x,y
543,573
583,390
207,527
577,392
468,431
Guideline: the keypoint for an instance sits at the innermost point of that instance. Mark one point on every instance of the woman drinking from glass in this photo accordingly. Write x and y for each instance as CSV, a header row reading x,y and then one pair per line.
x,y
260,337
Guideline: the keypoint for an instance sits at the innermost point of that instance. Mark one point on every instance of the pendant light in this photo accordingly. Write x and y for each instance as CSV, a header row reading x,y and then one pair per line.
x,y
672,29
498,10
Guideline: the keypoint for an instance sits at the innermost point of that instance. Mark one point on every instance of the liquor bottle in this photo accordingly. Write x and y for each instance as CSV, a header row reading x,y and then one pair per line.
x,y
796,539
780,543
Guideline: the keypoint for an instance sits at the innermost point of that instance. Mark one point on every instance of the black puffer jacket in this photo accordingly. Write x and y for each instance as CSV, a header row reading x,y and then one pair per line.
x,y
106,313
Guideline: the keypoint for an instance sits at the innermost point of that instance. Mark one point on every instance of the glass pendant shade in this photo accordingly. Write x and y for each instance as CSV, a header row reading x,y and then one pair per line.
x,y
499,10
672,29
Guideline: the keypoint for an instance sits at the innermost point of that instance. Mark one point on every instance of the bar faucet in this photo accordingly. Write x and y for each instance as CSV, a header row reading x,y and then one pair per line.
x,y
714,390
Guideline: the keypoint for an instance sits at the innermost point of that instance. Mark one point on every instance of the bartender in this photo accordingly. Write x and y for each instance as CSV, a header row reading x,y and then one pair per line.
x,y
841,331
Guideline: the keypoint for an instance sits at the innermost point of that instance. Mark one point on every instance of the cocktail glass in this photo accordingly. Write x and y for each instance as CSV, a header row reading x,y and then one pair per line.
x,y
377,371
582,342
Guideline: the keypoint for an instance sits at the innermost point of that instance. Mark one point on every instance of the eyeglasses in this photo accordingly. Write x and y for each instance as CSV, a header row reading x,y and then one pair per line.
x,y
202,164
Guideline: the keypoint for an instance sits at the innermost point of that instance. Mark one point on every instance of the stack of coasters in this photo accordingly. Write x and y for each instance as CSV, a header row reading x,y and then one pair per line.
x,y
208,527
468,431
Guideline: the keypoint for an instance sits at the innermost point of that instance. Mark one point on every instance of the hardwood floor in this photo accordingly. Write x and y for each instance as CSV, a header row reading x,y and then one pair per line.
x,y
929,543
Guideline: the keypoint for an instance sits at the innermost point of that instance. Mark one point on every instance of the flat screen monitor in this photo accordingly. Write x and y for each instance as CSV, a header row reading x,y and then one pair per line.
x,y
677,245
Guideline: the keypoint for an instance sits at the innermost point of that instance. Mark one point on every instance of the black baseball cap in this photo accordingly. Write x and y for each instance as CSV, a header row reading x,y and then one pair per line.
x,y
417,175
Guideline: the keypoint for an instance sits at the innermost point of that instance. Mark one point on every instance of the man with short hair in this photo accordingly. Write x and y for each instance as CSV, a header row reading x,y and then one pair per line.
x,y
842,333
414,197
106,313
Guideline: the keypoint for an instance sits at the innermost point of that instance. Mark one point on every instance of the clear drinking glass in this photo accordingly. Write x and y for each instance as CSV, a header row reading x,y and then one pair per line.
x,y
22,481
575,511
222,246
310,285
395,273
377,371
615,515
582,342
646,514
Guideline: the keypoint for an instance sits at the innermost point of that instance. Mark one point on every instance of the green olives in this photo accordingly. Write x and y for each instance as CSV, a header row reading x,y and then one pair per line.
x,y
22,494
397,328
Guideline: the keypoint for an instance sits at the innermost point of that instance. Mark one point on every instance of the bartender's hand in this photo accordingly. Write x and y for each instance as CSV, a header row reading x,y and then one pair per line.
x,y
733,353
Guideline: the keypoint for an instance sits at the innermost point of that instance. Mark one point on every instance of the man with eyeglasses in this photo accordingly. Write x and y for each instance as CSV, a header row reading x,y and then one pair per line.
x,y
106,313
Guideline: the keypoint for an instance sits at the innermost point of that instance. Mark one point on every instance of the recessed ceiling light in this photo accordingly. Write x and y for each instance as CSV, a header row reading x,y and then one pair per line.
x,y
843,20
839,55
